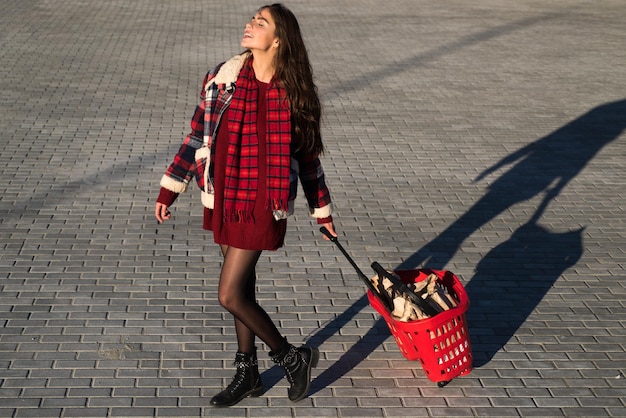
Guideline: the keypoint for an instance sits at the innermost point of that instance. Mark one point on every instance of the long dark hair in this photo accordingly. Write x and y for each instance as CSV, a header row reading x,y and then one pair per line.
x,y
293,70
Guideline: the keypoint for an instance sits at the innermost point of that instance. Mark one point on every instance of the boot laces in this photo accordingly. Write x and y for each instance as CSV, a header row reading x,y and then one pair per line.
x,y
240,375
237,380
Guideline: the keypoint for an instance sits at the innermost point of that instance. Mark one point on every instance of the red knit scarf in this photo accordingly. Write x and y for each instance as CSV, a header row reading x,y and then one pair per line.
x,y
242,161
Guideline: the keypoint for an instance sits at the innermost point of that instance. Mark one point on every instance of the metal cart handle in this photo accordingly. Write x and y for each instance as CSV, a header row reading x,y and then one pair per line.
x,y
361,275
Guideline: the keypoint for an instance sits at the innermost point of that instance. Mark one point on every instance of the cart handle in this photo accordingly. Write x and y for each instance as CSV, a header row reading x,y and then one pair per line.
x,y
361,275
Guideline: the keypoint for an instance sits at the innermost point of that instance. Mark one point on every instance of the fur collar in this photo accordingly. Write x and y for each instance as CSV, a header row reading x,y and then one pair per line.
x,y
229,71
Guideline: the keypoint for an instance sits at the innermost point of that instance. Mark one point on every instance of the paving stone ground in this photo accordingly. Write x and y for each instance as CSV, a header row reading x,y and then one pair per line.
x,y
485,138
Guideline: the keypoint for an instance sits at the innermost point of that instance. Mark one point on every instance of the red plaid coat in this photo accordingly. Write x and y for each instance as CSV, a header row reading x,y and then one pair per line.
x,y
193,157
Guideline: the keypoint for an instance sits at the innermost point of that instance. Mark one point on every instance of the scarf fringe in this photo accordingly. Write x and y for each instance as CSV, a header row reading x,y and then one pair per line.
x,y
280,209
276,204
238,216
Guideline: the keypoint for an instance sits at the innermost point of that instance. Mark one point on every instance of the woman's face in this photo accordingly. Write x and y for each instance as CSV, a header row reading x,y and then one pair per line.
x,y
259,33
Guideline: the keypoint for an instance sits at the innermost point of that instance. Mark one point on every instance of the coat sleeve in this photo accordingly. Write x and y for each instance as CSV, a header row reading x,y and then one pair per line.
x,y
314,186
181,170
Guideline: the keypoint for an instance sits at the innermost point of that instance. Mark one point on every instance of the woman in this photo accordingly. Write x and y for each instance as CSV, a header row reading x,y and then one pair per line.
x,y
254,133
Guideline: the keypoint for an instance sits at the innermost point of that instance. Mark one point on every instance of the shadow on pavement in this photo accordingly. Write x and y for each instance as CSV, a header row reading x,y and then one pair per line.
x,y
512,278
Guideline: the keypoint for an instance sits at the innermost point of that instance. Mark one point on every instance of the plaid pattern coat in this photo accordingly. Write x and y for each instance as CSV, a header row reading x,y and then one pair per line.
x,y
193,159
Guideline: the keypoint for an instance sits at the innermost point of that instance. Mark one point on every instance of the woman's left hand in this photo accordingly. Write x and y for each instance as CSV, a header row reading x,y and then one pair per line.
x,y
331,229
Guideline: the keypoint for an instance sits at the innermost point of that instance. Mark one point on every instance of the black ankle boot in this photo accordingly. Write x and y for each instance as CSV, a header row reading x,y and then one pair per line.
x,y
297,363
247,382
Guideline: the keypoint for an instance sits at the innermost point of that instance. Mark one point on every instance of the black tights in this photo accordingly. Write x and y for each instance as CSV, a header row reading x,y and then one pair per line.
x,y
236,294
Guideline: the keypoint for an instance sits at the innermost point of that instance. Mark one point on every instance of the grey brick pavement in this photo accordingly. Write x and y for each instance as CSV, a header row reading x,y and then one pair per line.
x,y
483,137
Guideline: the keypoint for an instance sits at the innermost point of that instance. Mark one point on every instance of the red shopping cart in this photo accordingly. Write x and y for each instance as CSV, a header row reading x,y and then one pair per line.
x,y
440,342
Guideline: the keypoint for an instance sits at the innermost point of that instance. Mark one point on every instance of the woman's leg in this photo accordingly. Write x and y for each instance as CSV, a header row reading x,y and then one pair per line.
x,y
247,380
237,295
245,336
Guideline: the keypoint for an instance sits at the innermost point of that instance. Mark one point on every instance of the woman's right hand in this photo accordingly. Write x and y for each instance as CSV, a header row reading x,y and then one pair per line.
x,y
161,212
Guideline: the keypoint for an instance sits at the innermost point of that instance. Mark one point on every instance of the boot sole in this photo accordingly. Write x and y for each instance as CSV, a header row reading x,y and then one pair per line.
x,y
254,393
315,358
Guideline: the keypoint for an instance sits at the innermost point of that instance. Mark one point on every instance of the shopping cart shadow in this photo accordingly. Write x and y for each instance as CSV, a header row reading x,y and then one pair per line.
x,y
513,277
511,281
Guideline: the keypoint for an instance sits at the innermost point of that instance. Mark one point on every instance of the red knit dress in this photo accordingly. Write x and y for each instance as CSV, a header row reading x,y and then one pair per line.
x,y
265,233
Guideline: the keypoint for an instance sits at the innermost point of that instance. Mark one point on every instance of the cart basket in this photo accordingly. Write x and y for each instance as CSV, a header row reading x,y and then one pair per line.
x,y
441,343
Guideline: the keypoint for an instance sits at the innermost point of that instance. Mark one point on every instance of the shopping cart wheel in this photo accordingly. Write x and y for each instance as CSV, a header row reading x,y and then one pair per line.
x,y
442,384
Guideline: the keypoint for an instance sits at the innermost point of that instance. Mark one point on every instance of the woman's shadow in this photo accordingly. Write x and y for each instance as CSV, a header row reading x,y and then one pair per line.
x,y
512,279
545,166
